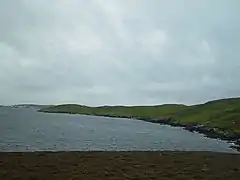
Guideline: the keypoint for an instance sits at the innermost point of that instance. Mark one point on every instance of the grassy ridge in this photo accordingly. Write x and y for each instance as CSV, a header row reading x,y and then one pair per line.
x,y
223,114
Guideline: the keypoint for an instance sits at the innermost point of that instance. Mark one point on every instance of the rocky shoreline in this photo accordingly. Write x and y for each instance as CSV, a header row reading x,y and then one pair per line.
x,y
211,132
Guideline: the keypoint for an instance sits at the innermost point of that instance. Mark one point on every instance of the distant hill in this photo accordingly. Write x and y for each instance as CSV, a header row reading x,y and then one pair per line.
x,y
223,114
36,106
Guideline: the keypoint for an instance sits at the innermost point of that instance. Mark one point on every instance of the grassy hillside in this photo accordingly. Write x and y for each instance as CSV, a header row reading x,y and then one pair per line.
x,y
131,111
223,114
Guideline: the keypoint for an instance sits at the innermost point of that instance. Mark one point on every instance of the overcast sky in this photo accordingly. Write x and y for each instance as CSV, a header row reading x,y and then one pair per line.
x,y
130,52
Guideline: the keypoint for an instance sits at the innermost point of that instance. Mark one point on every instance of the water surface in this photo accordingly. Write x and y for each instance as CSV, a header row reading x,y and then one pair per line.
x,y
25,129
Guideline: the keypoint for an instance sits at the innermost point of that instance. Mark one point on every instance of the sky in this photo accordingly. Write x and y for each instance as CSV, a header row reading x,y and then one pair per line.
x,y
119,52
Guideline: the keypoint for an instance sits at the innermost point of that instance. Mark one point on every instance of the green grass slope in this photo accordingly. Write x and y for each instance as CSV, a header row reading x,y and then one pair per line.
x,y
130,111
223,114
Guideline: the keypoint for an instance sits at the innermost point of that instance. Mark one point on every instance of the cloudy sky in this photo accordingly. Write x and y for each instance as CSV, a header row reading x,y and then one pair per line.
x,y
97,52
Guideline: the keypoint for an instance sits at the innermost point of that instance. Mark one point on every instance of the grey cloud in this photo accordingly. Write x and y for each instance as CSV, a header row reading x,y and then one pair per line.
x,y
118,52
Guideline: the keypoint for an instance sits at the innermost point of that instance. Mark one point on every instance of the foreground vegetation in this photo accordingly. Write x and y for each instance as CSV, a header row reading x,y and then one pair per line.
x,y
221,114
119,165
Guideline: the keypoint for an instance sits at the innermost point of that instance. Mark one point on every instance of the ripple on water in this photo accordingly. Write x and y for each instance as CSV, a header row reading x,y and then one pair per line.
x,y
34,131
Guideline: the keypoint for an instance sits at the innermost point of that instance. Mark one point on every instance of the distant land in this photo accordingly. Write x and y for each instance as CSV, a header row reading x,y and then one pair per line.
x,y
37,106
216,119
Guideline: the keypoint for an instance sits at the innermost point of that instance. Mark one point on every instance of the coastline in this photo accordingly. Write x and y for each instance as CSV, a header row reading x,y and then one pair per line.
x,y
209,132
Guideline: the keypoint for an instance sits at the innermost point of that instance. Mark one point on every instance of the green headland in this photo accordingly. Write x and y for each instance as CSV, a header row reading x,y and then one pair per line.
x,y
218,118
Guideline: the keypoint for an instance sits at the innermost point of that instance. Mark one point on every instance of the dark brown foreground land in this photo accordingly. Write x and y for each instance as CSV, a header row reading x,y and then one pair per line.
x,y
119,165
